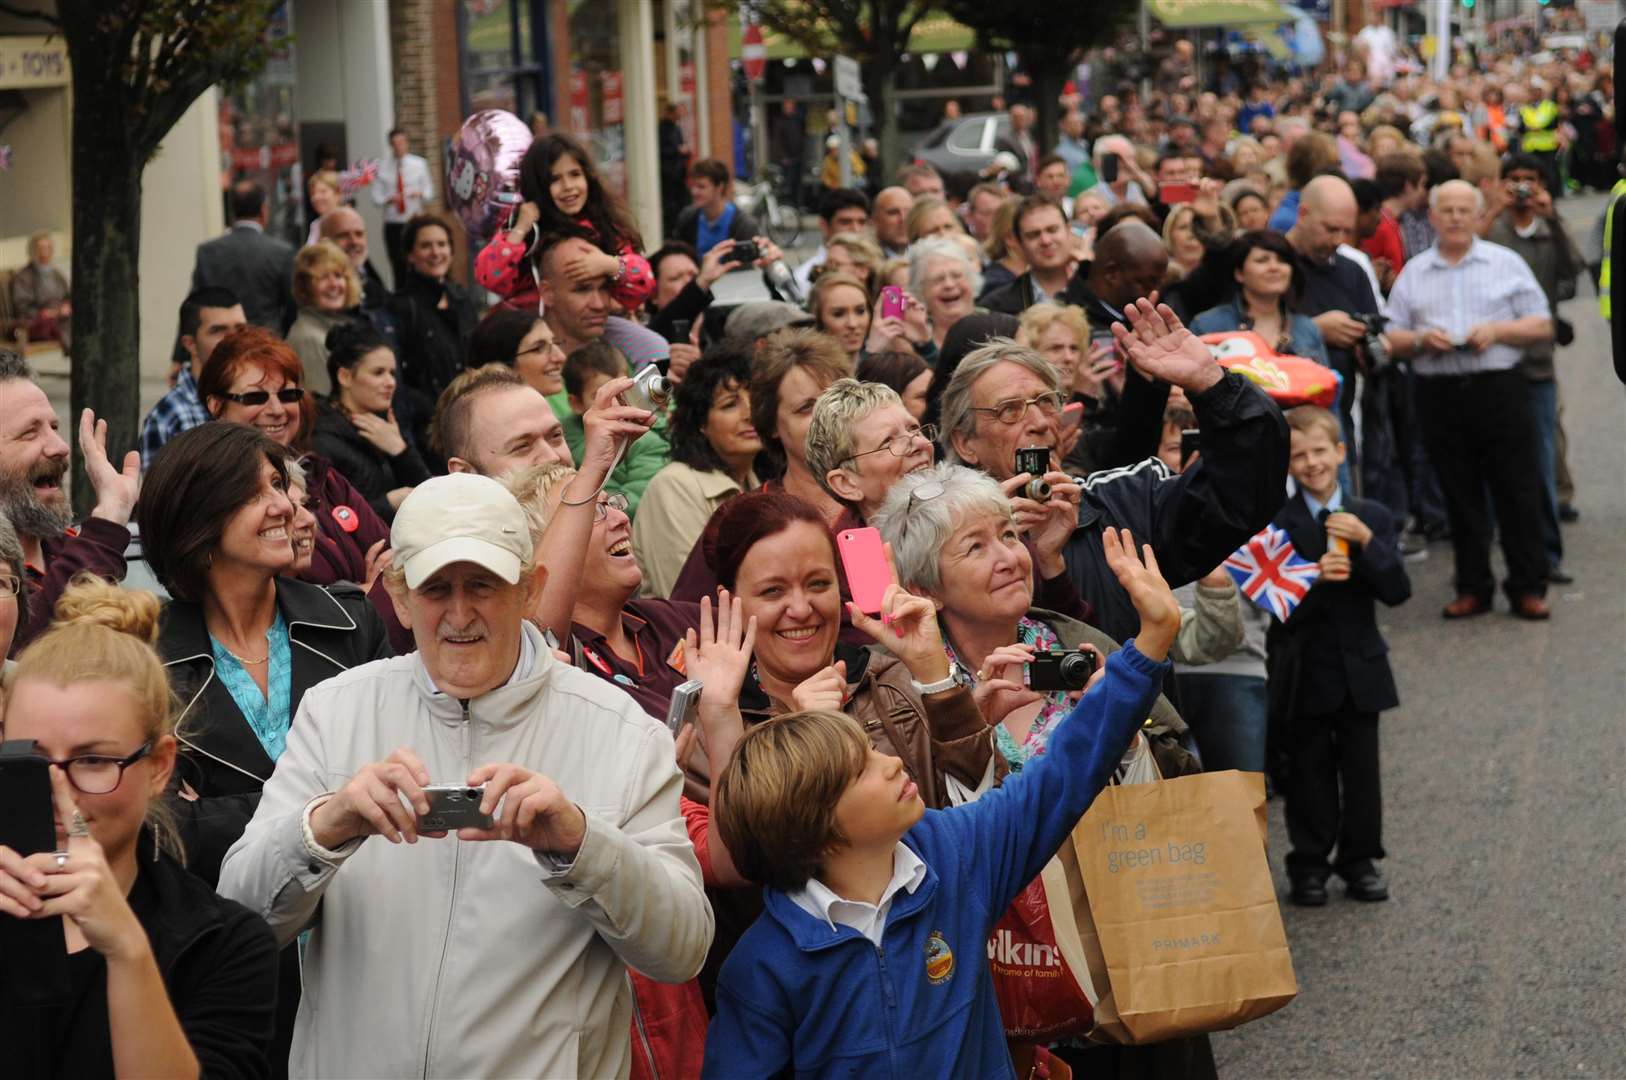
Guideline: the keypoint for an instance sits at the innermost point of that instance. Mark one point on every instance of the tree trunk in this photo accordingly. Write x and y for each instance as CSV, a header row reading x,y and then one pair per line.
x,y
106,363
881,83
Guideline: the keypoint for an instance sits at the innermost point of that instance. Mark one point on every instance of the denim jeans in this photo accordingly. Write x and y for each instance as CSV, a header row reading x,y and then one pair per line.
x,y
1427,500
1544,408
1382,478
1227,715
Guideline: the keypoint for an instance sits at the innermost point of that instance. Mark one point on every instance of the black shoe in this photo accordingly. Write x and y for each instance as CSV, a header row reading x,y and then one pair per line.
x,y
1307,893
1437,533
1557,575
1368,886
1568,514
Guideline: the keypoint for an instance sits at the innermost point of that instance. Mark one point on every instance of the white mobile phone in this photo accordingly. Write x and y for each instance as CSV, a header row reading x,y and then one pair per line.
x,y
684,707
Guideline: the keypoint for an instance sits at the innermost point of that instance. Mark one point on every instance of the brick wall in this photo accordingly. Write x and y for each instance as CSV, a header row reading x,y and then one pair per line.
x,y
425,55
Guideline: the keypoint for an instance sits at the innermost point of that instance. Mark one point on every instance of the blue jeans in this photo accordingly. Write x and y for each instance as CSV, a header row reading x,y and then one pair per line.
x,y
1227,715
1427,500
1544,408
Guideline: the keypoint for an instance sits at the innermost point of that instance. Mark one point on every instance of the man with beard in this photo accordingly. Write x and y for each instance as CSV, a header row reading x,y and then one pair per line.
x,y
33,462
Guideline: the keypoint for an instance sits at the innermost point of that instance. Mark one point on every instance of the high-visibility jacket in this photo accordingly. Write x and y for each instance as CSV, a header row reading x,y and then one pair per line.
x,y
1604,274
1540,123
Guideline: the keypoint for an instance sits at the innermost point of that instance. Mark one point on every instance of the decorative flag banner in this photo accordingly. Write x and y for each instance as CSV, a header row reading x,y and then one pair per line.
x,y
5,158
1271,574
358,176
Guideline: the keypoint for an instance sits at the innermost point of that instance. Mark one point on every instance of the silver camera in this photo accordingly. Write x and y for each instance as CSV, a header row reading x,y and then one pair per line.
x,y
651,389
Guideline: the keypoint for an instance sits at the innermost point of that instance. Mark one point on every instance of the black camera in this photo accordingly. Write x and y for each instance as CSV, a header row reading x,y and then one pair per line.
x,y
1059,669
1035,461
746,251
1373,347
1524,191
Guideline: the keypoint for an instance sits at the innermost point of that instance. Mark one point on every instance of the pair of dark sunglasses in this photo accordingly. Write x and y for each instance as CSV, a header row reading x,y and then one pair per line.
x,y
288,395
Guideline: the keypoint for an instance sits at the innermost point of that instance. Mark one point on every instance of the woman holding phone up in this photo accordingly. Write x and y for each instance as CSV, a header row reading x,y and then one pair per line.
x,y
165,977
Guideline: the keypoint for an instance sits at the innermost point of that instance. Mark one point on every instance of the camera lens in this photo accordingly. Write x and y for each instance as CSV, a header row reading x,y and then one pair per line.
x,y
1037,490
1076,669
472,794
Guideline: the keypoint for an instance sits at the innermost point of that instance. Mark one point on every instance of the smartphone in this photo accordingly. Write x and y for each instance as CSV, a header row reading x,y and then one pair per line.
x,y
1104,337
1189,445
1072,415
684,706
1175,194
679,334
36,967
1109,169
863,557
892,306
454,806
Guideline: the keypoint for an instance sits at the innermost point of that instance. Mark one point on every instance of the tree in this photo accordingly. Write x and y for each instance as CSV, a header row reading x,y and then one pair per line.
x,y
874,32
1050,36
138,65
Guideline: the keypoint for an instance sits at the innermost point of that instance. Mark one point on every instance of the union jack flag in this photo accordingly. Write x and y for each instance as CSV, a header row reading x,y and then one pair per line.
x,y
1270,573
357,176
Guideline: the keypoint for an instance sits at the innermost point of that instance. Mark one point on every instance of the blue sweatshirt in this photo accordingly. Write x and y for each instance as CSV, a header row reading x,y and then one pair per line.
x,y
794,995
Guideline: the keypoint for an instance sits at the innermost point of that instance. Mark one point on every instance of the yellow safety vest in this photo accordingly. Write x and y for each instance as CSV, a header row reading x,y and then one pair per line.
x,y
1540,127
1608,242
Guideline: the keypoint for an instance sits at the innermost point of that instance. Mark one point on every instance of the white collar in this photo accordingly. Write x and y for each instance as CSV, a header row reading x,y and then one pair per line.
x,y
819,900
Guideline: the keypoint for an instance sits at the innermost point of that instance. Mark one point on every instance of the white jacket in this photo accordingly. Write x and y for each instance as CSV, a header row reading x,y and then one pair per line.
x,y
466,958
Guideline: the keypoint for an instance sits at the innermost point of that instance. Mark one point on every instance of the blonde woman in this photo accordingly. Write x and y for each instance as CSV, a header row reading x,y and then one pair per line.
x,y
853,254
931,216
325,193
1061,334
327,289
166,978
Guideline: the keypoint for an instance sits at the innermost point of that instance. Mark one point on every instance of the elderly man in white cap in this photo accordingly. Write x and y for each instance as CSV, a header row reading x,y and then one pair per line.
x,y
496,949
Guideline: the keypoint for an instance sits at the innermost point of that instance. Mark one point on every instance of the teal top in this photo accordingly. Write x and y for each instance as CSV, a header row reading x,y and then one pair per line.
x,y
267,714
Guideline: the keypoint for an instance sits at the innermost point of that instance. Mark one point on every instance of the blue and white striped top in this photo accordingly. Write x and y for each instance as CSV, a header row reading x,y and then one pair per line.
x,y
1490,283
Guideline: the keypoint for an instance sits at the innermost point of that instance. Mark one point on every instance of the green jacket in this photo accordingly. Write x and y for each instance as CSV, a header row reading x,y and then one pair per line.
x,y
643,459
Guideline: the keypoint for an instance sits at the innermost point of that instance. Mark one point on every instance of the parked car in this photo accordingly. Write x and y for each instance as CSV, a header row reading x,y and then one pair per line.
x,y
968,144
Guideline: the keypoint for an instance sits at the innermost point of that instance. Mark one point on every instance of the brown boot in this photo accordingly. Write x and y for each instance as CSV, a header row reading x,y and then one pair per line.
x,y
1532,607
1465,606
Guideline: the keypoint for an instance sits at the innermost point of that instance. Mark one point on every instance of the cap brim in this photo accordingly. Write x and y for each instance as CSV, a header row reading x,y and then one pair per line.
x,y
500,561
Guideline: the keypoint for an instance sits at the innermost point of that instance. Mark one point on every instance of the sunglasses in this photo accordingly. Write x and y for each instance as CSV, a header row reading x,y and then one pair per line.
x,y
288,395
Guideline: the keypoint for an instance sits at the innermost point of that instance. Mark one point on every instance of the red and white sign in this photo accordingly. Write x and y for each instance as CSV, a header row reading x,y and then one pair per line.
x,y
578,101
753,52
614,109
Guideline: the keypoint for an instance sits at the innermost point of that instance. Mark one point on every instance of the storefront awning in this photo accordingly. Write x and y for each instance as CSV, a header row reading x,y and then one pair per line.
x,y
1193,14
933,34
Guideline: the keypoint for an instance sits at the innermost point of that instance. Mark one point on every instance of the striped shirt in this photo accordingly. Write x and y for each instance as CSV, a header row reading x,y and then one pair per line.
x,y
1490,283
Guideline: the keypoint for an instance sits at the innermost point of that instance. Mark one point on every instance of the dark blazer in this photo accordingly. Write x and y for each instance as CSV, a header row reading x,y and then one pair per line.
x,y
371,471
258,268
1330,647
434,342
1012,299
330,630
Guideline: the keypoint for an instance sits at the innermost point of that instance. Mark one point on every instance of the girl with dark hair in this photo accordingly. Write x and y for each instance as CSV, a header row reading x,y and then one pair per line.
x,y
714,449
564,195
1269,282
904,372
356,428
522,341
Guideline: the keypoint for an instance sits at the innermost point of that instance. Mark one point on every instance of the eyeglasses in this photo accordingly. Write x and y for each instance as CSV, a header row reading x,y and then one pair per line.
x,y
288,395
95,774
616,501
1011,412
10,586
901,445
543,347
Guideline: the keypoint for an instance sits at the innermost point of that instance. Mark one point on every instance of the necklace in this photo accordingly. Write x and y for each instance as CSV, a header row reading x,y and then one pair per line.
x,y
245,660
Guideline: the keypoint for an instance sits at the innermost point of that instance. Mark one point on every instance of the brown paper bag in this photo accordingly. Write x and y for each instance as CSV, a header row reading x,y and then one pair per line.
x,y
1177,925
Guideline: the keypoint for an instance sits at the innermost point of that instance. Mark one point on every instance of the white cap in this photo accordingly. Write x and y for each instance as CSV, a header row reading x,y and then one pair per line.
x,y
460,518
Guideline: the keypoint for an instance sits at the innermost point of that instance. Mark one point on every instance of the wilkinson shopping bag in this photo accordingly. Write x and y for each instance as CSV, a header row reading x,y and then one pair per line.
x,y
1040,999
1181,933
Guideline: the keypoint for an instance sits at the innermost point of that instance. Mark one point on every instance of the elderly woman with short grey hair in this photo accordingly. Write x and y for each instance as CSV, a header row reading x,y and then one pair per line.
x,y
13,596
861,439
944,278
954,540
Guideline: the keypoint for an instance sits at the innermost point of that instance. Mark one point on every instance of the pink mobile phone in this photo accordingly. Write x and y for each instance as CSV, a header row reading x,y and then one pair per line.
x,y
864,559
892,306
1072,415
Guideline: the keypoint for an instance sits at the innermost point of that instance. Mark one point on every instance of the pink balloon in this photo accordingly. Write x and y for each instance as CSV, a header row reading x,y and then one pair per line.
x,y
482,174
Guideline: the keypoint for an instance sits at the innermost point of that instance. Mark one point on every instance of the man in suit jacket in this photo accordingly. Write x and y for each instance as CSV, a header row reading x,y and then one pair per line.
x,y
258,269
1329,669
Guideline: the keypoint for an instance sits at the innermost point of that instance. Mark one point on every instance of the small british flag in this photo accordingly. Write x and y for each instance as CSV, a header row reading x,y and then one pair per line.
x,y
357,176
1270,573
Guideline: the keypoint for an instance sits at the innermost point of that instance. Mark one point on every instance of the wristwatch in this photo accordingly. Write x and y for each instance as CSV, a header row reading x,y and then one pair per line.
x,y
955,677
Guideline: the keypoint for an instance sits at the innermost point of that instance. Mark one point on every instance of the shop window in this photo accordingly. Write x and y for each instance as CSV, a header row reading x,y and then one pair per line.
x,y
504,56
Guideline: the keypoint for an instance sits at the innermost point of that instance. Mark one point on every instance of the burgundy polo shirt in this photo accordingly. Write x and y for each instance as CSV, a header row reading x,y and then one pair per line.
x,y
657,629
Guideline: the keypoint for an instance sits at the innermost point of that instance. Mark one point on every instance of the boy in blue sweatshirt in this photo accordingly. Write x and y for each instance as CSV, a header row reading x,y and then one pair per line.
x,y
870,958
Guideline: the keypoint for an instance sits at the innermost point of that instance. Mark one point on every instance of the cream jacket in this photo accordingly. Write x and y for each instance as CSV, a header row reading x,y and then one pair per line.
x,y
462,958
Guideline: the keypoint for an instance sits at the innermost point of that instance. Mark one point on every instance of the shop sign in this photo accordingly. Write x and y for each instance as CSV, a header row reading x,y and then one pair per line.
x,y
27,62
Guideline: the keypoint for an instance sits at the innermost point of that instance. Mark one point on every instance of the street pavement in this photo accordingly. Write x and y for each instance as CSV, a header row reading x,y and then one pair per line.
x,y
1502,951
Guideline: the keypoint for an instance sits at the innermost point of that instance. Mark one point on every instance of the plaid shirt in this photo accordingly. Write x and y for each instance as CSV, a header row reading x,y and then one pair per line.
x,y
179,410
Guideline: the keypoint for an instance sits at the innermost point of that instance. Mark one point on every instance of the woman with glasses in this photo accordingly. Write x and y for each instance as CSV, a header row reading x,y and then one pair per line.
x,y
241,638
860,441
943,277
253,378
164,977
714,451
521,340
356,428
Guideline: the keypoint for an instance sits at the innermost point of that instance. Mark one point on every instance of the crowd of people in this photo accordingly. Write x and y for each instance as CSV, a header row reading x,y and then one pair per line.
x,y
415,717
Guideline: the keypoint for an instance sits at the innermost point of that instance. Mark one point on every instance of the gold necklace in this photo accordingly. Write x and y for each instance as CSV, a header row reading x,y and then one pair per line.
x,y
243,659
